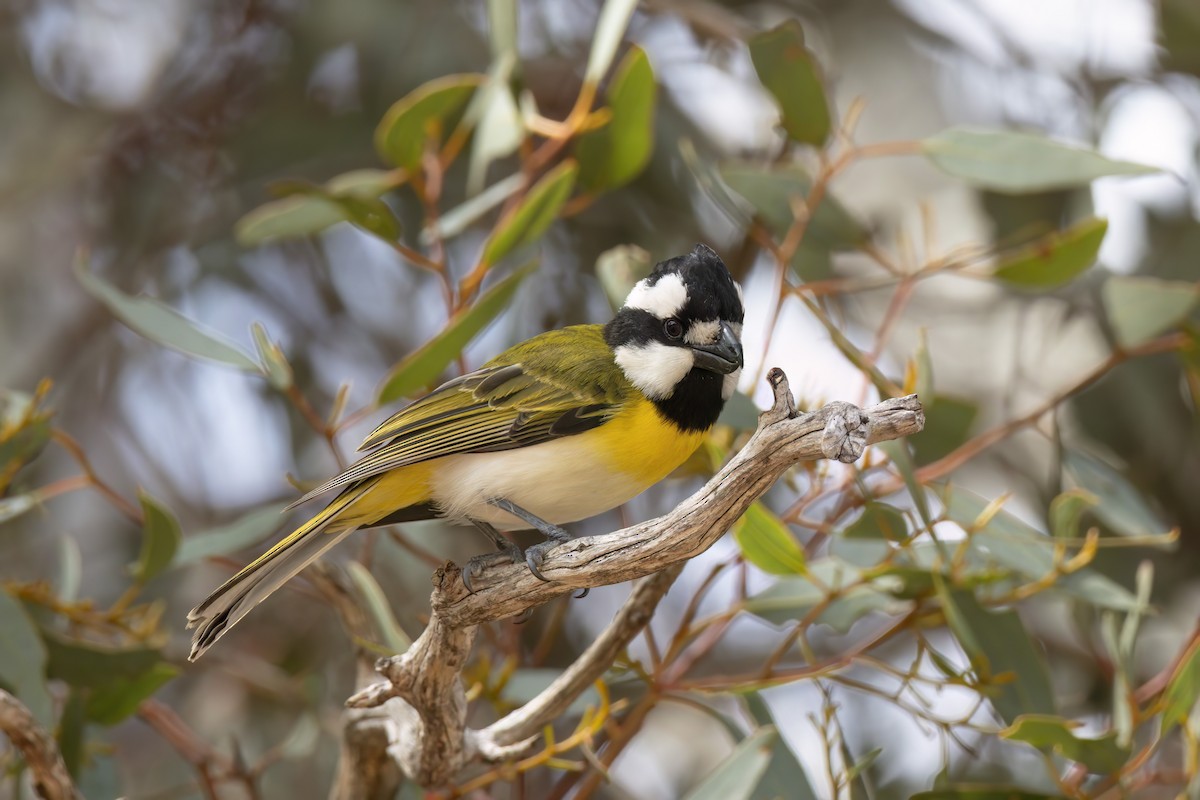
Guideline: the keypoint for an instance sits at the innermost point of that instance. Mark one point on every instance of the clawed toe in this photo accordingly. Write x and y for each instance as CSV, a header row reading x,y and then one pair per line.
x,y
477,564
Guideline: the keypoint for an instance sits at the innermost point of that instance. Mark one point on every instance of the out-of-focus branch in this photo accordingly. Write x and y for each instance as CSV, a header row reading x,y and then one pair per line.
x,y
51,780
435,742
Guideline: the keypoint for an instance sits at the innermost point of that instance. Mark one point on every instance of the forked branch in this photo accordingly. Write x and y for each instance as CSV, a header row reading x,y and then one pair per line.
x,y
435,743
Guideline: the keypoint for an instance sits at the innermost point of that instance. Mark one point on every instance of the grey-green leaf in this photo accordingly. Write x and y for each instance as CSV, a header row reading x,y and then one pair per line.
x,y
615,154
421,368
533,216
161,324
23,664
160,539
1054,259
1140,308
223,540
736,777
1016,163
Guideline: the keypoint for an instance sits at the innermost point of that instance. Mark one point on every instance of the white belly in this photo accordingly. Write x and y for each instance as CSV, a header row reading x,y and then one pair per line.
x,y
559,481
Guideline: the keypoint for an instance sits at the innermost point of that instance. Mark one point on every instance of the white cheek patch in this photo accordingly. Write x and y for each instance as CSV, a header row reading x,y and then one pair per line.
x,y
703,332
654,368
729,385
664,299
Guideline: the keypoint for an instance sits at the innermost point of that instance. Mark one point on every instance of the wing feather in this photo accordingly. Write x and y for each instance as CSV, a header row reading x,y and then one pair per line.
x,y
527,395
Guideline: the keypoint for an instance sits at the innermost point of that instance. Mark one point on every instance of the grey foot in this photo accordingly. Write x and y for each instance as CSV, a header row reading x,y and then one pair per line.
x,y
535,556
510,554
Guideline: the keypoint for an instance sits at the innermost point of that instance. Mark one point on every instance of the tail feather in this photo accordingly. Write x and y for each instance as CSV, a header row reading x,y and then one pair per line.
x,y
222,609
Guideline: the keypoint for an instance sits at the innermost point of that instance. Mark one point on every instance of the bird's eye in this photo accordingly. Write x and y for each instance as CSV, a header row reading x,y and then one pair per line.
x,y
673,328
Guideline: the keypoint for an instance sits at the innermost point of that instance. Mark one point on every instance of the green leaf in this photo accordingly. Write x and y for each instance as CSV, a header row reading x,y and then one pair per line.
x,y
619,268
1183,690
461,217
615,154
250,529
88,665
350,197
1053,734
736,777
1016,163
902,459
879,521
287,218
1002,654
71,729
528,682
948,424
790,73
970,791
1056,258
160,539
771,192
784,778
161,324
15,506
767,544
420,115
610,30
791,599
533,216
376,605
1030,553
1121,507
23,660
496,120
1067,510
1140,308
274,363
112,703
421,368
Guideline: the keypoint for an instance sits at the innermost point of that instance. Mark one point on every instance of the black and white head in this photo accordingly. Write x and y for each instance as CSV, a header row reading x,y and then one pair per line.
x,y
678,337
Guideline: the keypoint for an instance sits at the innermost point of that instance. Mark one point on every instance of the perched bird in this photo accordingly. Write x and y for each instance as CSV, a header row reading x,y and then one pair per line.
x,y
558,428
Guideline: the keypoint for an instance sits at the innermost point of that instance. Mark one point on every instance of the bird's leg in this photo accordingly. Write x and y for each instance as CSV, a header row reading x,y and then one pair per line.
x,y
555,535
506,551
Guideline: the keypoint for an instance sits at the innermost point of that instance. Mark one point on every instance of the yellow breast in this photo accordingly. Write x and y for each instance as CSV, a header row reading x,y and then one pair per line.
x,y
640,443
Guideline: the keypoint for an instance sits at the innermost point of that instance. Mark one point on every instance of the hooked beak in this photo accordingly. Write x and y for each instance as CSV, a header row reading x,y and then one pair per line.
x,y
724,356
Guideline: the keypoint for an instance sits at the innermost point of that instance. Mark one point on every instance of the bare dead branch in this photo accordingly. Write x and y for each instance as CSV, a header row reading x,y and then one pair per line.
x,y
51,780
434,742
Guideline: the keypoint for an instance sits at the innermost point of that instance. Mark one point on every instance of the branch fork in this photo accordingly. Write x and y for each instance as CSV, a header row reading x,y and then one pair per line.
x,y
432,741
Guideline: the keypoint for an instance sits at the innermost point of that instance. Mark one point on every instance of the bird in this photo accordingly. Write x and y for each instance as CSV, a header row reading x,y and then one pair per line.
x,y
558,428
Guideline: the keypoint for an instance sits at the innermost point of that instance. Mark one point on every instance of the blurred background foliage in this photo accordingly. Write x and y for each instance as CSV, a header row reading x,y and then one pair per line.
x,y
302,213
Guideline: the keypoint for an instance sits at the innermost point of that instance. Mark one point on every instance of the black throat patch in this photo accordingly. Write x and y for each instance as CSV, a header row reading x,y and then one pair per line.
x,y
696,402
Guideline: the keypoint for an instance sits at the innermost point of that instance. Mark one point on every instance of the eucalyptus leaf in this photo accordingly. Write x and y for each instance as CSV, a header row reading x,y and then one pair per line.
x,y
114,702
767,543
1004,657
610,30
736,777
421,368
422,114
1120,506
771,191
89,665
1016,163
23,661
1056,258
615,154
1140,308
287,218
160,539
879,521
1055,735
790,73
784,778
224,540
161,324
533,216
375,603
1183,690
